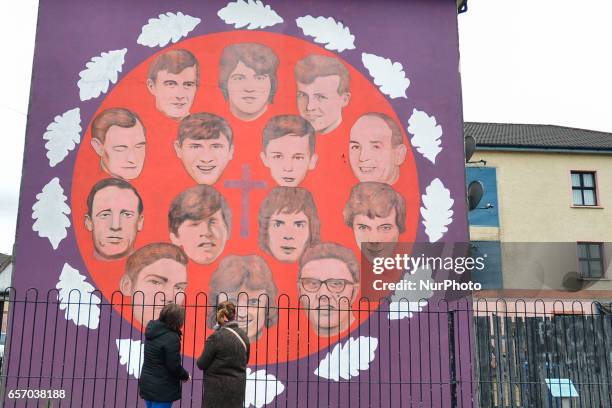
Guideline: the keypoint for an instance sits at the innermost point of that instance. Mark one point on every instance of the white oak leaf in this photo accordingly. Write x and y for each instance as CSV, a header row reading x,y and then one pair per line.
x,y
261,388
62,135
100,71
251,14
347,360
404,303
436,210
76,298
327,31
131,355
426,133
165,28
50,212
402,309
388,75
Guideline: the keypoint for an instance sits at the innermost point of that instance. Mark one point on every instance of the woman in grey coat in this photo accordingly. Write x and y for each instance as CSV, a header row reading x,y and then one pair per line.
x,y
224,361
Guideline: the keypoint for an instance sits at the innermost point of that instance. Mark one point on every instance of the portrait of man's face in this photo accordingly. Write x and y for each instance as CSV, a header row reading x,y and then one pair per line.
x,y
326,287
123,152
202,240
114,222
174,93
288,235
320,103
289,159
250,310
205,159
371,152
374,236
248,92
161,283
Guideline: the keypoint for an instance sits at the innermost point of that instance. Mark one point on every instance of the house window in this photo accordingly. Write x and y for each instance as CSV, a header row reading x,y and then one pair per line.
x,y
590,258
583,188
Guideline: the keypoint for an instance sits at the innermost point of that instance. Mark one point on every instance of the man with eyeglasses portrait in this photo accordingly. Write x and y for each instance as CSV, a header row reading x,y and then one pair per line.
x,y
328,283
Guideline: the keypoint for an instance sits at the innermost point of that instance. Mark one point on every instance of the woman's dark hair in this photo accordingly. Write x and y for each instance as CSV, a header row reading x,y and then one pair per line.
x,y
173,316
226,310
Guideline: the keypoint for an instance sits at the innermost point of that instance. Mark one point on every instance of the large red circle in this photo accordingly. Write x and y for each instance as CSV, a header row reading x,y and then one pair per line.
x,y
163,177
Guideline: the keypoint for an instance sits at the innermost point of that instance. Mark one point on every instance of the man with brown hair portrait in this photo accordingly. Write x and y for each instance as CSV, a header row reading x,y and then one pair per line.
x,y
377,215
173,79
247,78
328,283
247,282
376,148
288,149
114,218
200,222
118,137
205,146
322,91
155,275
288,223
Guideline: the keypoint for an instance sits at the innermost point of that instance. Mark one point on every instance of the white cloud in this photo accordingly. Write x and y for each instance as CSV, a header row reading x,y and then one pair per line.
x,y
18,25
100,71
347,360
436,210
499,69
131,355
261,388
251,14
167,27
388,75
327,31
50,212
426,133
63,134
76,298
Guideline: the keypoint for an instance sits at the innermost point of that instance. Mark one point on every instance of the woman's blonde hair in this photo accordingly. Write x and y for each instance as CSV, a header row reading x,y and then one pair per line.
x,y
226,310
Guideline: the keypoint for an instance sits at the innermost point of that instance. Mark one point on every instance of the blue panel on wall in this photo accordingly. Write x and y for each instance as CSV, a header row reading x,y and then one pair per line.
x,y
480,216
491,276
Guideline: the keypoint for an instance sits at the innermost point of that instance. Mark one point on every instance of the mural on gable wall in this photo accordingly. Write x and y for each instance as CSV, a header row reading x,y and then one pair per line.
x,y
244,150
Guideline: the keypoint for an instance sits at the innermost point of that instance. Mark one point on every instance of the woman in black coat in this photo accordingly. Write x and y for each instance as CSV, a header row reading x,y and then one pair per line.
x,y
162,372
224,361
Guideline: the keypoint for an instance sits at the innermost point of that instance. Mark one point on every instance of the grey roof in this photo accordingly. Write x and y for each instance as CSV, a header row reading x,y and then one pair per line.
x,y
6,271
5,261
514,135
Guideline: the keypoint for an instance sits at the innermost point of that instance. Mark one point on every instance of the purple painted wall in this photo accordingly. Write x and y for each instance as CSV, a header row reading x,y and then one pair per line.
x,y
420,34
